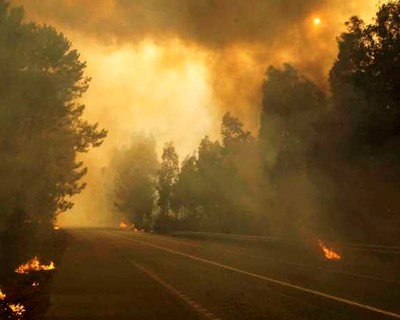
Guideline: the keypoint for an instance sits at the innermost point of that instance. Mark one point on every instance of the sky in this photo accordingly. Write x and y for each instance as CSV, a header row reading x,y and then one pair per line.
x,y
172,68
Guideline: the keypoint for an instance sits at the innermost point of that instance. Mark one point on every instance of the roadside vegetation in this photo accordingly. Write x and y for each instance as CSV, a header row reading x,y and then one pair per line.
x,y
42,131
321,163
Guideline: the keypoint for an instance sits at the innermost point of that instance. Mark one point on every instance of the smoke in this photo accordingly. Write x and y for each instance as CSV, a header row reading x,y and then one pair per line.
x,y
172,67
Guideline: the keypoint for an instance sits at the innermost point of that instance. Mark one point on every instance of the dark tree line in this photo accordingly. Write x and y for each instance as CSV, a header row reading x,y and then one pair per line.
x,y
322,163
41,127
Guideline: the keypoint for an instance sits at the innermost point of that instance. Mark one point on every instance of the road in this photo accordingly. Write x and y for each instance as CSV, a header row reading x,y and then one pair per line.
x,y
114,274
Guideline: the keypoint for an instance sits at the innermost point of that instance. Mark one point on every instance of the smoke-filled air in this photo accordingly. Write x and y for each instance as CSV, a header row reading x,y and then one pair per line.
x,y
172,69
204,120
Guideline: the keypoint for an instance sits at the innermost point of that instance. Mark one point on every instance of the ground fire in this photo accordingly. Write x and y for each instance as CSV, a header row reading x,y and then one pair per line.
x,y
34,265
329,253
17,309
2,296
123,225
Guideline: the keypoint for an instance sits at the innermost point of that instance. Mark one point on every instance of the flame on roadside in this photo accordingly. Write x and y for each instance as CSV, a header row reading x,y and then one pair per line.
x,y
123,225
329,253
2,295
17,309
34,265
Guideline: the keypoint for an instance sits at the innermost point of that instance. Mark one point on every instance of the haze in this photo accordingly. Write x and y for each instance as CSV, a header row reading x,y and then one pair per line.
x,y
168,69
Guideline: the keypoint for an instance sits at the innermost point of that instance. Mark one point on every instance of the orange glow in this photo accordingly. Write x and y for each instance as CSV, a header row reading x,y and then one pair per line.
x,y
2,296
329,253
34,265
56,228
17,309
123,225
35,284
317,21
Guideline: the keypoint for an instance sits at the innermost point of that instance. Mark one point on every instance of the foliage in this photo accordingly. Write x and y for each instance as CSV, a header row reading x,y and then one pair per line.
x,y
320,164
41,124
365,81
135,178
292,106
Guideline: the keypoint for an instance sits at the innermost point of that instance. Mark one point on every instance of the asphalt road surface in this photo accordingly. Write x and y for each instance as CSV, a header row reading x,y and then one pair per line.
x,y
114,274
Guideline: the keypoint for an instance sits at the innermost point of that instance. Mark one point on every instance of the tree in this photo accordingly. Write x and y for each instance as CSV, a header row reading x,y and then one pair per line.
x,y
136,173
232,131
292,105
365,82
292,140
41,124
186,193
167,177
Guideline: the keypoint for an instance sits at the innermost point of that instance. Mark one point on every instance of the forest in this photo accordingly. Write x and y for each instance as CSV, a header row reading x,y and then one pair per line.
x,y
321,163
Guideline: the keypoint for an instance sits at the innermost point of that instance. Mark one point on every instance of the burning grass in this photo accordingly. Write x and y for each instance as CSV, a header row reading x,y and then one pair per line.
x,y
329,253
34,265
123,225
25,286
17,310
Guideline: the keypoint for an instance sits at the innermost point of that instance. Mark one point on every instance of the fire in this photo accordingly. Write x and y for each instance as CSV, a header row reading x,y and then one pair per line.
x,y
17,309
35,284
34,265
2,296
329,253
56,228
123,225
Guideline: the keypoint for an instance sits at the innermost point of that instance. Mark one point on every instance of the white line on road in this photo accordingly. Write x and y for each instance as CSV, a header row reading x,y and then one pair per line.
x,y
254,275
359,275
203,312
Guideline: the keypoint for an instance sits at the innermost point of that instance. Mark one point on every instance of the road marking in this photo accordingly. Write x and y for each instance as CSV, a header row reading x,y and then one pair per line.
x,y
352,245
257,276
203,312
359,275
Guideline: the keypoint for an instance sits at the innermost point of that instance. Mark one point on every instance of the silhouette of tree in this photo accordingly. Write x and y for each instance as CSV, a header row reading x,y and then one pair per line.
x,y
292,106
41,124
365,81
167,177
136,174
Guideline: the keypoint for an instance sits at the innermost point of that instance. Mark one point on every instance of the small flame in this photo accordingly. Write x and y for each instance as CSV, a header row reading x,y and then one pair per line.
x,y
123,225
35,284
329,253
317,21
2,296
17,309
34,265
56,228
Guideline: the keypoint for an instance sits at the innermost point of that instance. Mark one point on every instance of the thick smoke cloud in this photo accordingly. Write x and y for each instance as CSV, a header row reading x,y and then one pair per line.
x,y
173,67
212,23
241,37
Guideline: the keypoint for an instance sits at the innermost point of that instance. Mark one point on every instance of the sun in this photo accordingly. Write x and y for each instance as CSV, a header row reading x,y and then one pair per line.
x,y
317,21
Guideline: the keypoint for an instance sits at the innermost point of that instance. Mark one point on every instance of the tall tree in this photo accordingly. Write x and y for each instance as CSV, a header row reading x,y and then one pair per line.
x,y
167,177
232,130
365,81
186,193
292,104
41,124
136,173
